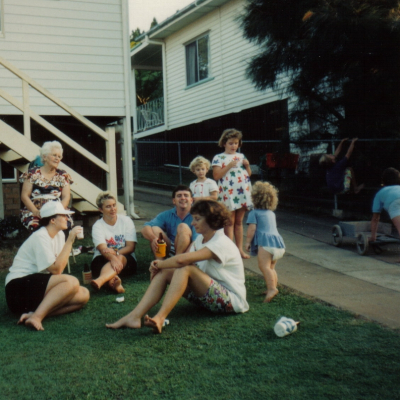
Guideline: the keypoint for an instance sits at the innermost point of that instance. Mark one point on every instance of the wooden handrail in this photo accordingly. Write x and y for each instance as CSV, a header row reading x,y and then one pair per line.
x,y
51,128
53,98
29,113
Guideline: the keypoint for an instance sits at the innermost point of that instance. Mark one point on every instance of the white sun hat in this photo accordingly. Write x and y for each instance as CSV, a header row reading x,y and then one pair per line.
x,y
53,208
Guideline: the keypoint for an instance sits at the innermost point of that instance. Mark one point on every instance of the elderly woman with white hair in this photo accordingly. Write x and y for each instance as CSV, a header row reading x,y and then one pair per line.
x,y
43,184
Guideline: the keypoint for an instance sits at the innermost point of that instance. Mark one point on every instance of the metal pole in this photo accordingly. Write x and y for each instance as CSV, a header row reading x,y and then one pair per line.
x,y
180,163
334,197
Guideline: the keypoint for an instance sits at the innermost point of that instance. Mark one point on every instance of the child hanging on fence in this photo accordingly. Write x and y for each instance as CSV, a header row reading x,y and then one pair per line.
x,y
202,188
263,238
232,172
339,177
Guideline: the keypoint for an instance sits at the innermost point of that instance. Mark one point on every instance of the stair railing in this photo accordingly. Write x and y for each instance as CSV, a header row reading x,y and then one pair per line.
x,y
108,135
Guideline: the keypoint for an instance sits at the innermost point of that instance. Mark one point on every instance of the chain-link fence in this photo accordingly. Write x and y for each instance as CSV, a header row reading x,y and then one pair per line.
x,y
297,174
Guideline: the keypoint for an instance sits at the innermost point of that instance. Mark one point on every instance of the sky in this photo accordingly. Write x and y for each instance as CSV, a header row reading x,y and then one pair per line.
x,y
142,12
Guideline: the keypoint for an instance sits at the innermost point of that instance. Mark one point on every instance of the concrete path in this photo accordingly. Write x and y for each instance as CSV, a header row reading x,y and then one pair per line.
x,y
362,285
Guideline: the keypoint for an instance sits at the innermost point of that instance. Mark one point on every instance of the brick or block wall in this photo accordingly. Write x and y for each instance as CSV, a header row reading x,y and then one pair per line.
x,y
12,199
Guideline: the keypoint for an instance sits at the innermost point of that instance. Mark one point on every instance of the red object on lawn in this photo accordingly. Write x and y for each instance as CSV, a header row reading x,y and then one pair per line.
x,y
285,160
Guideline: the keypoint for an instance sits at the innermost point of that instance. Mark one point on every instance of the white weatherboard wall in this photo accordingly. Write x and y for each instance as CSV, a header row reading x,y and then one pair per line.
x,y
73,48
230,90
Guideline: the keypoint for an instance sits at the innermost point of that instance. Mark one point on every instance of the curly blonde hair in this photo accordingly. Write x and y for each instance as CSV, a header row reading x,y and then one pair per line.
x,y
264,196
230,133
196,162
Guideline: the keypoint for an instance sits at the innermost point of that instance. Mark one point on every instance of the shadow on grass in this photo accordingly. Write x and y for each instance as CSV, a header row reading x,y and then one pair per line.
x,y
199,355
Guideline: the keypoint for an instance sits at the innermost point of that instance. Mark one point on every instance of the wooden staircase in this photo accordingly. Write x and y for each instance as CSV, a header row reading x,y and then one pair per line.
x,y
18,150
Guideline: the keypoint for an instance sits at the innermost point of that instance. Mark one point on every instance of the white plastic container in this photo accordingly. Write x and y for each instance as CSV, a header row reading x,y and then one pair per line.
x,y
285,326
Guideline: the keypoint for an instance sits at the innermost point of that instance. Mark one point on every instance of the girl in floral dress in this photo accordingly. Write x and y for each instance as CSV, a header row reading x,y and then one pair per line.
x,y
232,172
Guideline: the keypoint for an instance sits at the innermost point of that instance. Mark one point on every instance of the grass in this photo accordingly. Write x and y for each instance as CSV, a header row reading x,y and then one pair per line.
x,y
333,355
7,256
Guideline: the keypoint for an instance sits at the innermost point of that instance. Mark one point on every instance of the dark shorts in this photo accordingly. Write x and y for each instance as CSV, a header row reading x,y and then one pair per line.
x,y
24,294
99,262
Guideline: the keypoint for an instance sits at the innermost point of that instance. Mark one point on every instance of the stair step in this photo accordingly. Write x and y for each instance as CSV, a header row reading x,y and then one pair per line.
x,y
11,156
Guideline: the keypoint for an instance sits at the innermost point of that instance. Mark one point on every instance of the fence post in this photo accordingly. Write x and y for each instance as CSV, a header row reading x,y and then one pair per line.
x,y
180,163
136,163
334,196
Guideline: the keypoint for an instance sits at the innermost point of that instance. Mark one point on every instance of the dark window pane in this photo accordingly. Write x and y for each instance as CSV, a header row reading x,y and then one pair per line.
x,y
191,63
203,57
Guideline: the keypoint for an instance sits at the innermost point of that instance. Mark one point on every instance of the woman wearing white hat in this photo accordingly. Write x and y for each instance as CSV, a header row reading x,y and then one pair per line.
x,y
35,285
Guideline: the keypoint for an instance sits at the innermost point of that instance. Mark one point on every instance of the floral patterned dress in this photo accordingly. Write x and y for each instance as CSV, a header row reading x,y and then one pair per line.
x,y
43,190
234,186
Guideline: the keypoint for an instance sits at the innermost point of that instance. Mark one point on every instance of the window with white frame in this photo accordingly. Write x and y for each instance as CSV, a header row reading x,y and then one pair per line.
x,y
8,173
197,60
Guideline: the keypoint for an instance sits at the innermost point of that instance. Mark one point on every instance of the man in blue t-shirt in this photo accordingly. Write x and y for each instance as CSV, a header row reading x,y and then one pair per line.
x,y
175,224
339,177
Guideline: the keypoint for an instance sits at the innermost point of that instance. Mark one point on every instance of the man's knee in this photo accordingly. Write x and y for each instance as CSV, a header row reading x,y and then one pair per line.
x,y
184,229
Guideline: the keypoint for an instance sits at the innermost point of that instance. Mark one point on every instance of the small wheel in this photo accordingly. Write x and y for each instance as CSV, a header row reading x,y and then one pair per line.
x,y
362,244
337,235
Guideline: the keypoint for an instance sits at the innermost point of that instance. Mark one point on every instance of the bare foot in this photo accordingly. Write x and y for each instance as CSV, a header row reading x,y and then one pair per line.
x,y
270,295
155,323
128,321
35,323
359,188
24,317
116,284
244,255
95,285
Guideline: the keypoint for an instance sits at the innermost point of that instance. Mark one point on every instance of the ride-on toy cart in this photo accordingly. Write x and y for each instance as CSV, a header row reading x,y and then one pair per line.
x,y
361,230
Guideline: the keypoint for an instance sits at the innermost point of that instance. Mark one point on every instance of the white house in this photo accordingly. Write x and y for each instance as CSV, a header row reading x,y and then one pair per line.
x,y
203,55
65,75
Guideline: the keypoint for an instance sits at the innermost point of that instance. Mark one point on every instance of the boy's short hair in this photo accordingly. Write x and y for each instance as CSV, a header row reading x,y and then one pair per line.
x,y
390,177
182,188
103,196
325,160
230,133
200,160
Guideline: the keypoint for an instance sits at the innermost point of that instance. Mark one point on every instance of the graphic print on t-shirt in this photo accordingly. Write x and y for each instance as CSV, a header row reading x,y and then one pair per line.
x,y
117,241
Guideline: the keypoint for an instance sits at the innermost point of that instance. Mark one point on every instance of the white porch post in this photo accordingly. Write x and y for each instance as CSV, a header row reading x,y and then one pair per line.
x,y
111,161
127,155
1,194
27,117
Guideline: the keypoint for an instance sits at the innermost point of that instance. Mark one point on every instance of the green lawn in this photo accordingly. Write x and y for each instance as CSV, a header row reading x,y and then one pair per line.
x,y
333,355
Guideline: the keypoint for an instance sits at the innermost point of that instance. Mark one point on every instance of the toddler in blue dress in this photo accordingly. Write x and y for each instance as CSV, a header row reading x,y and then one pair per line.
x,y
263,238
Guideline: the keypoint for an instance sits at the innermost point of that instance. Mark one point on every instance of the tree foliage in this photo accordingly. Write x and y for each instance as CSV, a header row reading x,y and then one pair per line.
x,y
148,83
136,33
340,59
